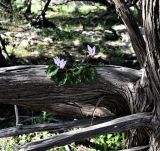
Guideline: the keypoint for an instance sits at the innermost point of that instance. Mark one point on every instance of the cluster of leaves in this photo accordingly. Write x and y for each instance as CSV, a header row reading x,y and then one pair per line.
x,y
115,141
107,142
72,74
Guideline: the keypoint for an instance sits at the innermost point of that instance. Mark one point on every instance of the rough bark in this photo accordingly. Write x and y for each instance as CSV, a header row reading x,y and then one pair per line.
x,y
29,86
54,127
151,22
119,124
147,89
137,40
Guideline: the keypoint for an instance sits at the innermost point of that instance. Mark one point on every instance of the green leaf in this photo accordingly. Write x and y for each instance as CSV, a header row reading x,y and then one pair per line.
x,y
51,71
74,74
63,80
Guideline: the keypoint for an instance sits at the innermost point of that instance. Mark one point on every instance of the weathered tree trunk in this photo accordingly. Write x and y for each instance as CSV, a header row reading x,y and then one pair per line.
x,y
147,89
151,21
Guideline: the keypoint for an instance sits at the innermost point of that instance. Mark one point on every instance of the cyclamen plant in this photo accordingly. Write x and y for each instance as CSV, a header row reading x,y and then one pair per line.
x,y
91,51
60,62
64,71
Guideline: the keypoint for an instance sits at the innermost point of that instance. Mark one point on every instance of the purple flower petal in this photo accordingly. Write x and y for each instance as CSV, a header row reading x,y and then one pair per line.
x,y
57,61
89,48
94,50
60,62
91,51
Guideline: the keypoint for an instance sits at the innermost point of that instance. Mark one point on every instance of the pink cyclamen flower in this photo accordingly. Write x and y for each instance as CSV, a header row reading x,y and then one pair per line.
x,y
91,51
60,62
56,61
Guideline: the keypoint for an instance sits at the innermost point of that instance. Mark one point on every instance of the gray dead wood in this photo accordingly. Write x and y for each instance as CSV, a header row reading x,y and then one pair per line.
x,y
54,127
138,148
136,37
119,124
29,86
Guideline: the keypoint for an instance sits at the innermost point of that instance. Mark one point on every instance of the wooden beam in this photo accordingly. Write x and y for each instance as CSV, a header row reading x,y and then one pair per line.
x,y
116,125
54,127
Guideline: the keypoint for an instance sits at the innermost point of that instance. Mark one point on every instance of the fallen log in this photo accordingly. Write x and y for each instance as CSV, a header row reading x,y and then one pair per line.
x,y
29,86
113,93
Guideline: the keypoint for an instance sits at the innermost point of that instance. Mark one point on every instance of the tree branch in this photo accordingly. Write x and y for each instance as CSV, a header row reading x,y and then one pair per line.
x,y
137,40
56,127
136,148
119,124
45,8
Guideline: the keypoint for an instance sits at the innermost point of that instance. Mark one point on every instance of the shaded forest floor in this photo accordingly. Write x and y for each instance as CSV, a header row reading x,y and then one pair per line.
x,y
75,28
